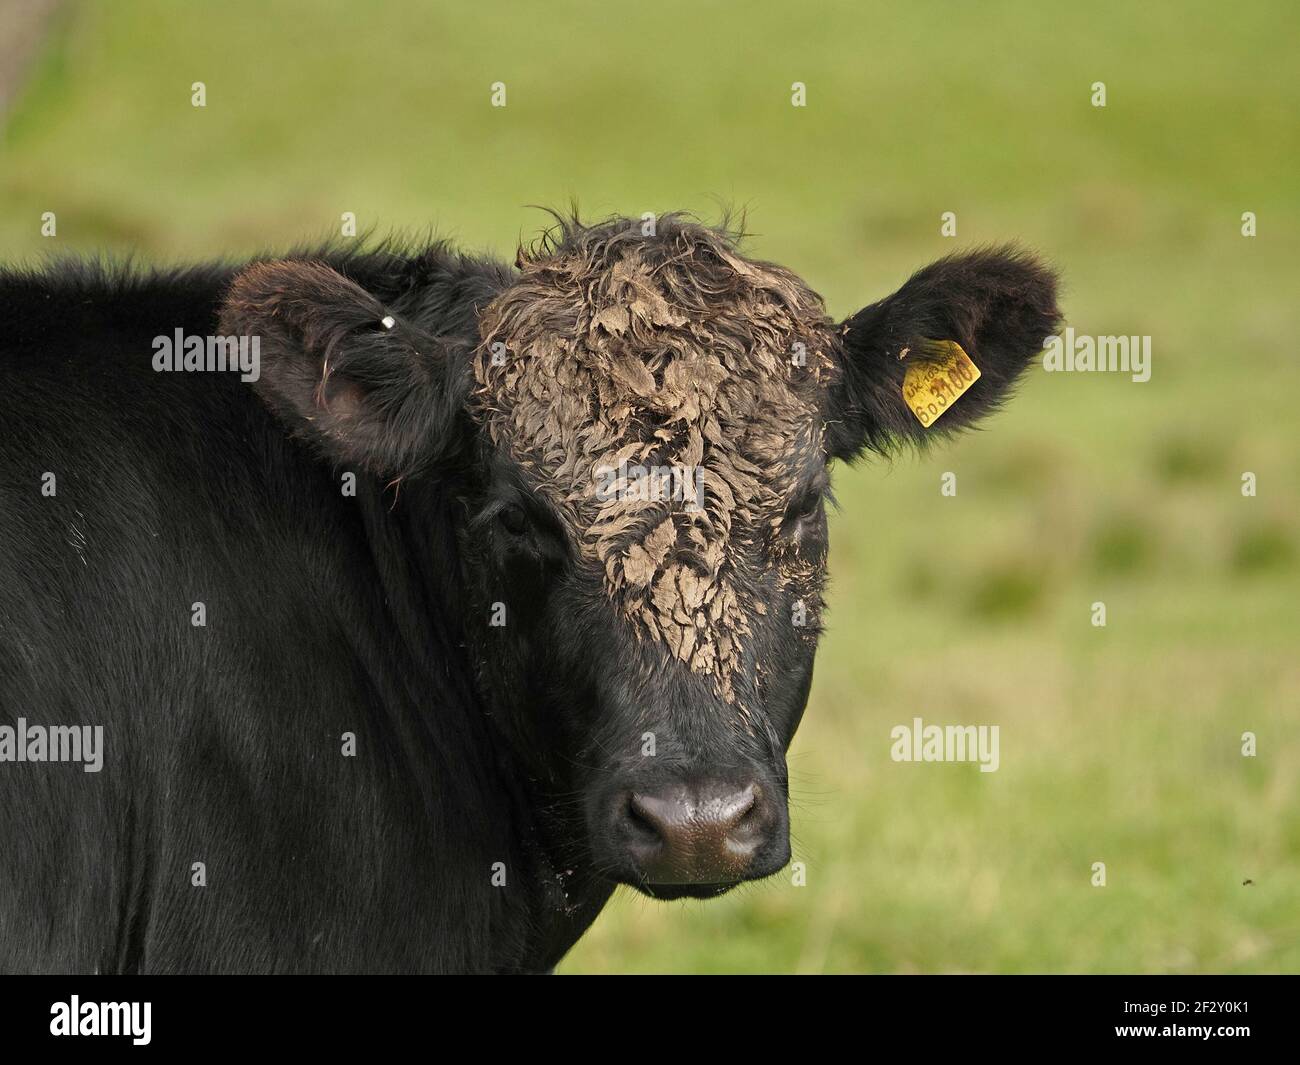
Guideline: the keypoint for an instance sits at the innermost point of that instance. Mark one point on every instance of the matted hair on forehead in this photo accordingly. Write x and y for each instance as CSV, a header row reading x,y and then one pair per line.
x,y
619,352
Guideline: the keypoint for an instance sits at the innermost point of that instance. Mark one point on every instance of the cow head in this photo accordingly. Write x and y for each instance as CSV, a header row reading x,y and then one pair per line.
x,y
640,433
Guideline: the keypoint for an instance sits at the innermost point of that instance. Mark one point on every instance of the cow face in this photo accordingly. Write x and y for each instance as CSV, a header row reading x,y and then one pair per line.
x,y
645,485
655,407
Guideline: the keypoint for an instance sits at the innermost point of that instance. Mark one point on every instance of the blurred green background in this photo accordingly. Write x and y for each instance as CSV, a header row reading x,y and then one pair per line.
x,y
1119,744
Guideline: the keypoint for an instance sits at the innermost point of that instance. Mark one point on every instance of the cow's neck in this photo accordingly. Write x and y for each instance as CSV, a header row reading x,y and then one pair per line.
x,y
411,530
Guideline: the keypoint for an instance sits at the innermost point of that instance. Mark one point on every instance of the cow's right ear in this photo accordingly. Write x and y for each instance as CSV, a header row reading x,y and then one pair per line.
x,y
340,369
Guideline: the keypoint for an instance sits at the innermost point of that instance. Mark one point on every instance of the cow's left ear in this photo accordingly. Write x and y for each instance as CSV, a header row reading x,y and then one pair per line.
x,y
343,371
998,304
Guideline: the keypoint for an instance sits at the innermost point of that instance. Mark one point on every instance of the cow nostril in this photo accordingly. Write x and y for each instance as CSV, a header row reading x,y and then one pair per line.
x,y
744,817
645,826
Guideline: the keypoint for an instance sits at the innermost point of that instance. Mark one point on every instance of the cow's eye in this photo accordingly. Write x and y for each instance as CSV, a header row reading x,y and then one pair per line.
x,y
806,509
513,519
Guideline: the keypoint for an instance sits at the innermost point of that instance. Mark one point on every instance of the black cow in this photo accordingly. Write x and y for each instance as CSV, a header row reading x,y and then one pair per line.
x,y
461,594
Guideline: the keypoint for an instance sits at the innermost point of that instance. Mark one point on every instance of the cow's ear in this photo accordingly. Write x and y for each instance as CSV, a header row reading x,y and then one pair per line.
x,y
998,304
342,370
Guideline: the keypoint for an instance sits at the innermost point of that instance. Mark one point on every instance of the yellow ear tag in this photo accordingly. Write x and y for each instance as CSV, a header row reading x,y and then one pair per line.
x,y
931,387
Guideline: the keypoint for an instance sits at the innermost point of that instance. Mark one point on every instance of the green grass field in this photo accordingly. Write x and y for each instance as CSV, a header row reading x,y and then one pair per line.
x,y
1119,744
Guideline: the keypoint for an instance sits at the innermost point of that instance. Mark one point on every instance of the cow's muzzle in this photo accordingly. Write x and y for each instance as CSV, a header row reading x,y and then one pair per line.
x,y
697,837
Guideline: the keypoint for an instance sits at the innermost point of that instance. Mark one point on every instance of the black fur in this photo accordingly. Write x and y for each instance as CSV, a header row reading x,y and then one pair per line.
x,y
325,614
